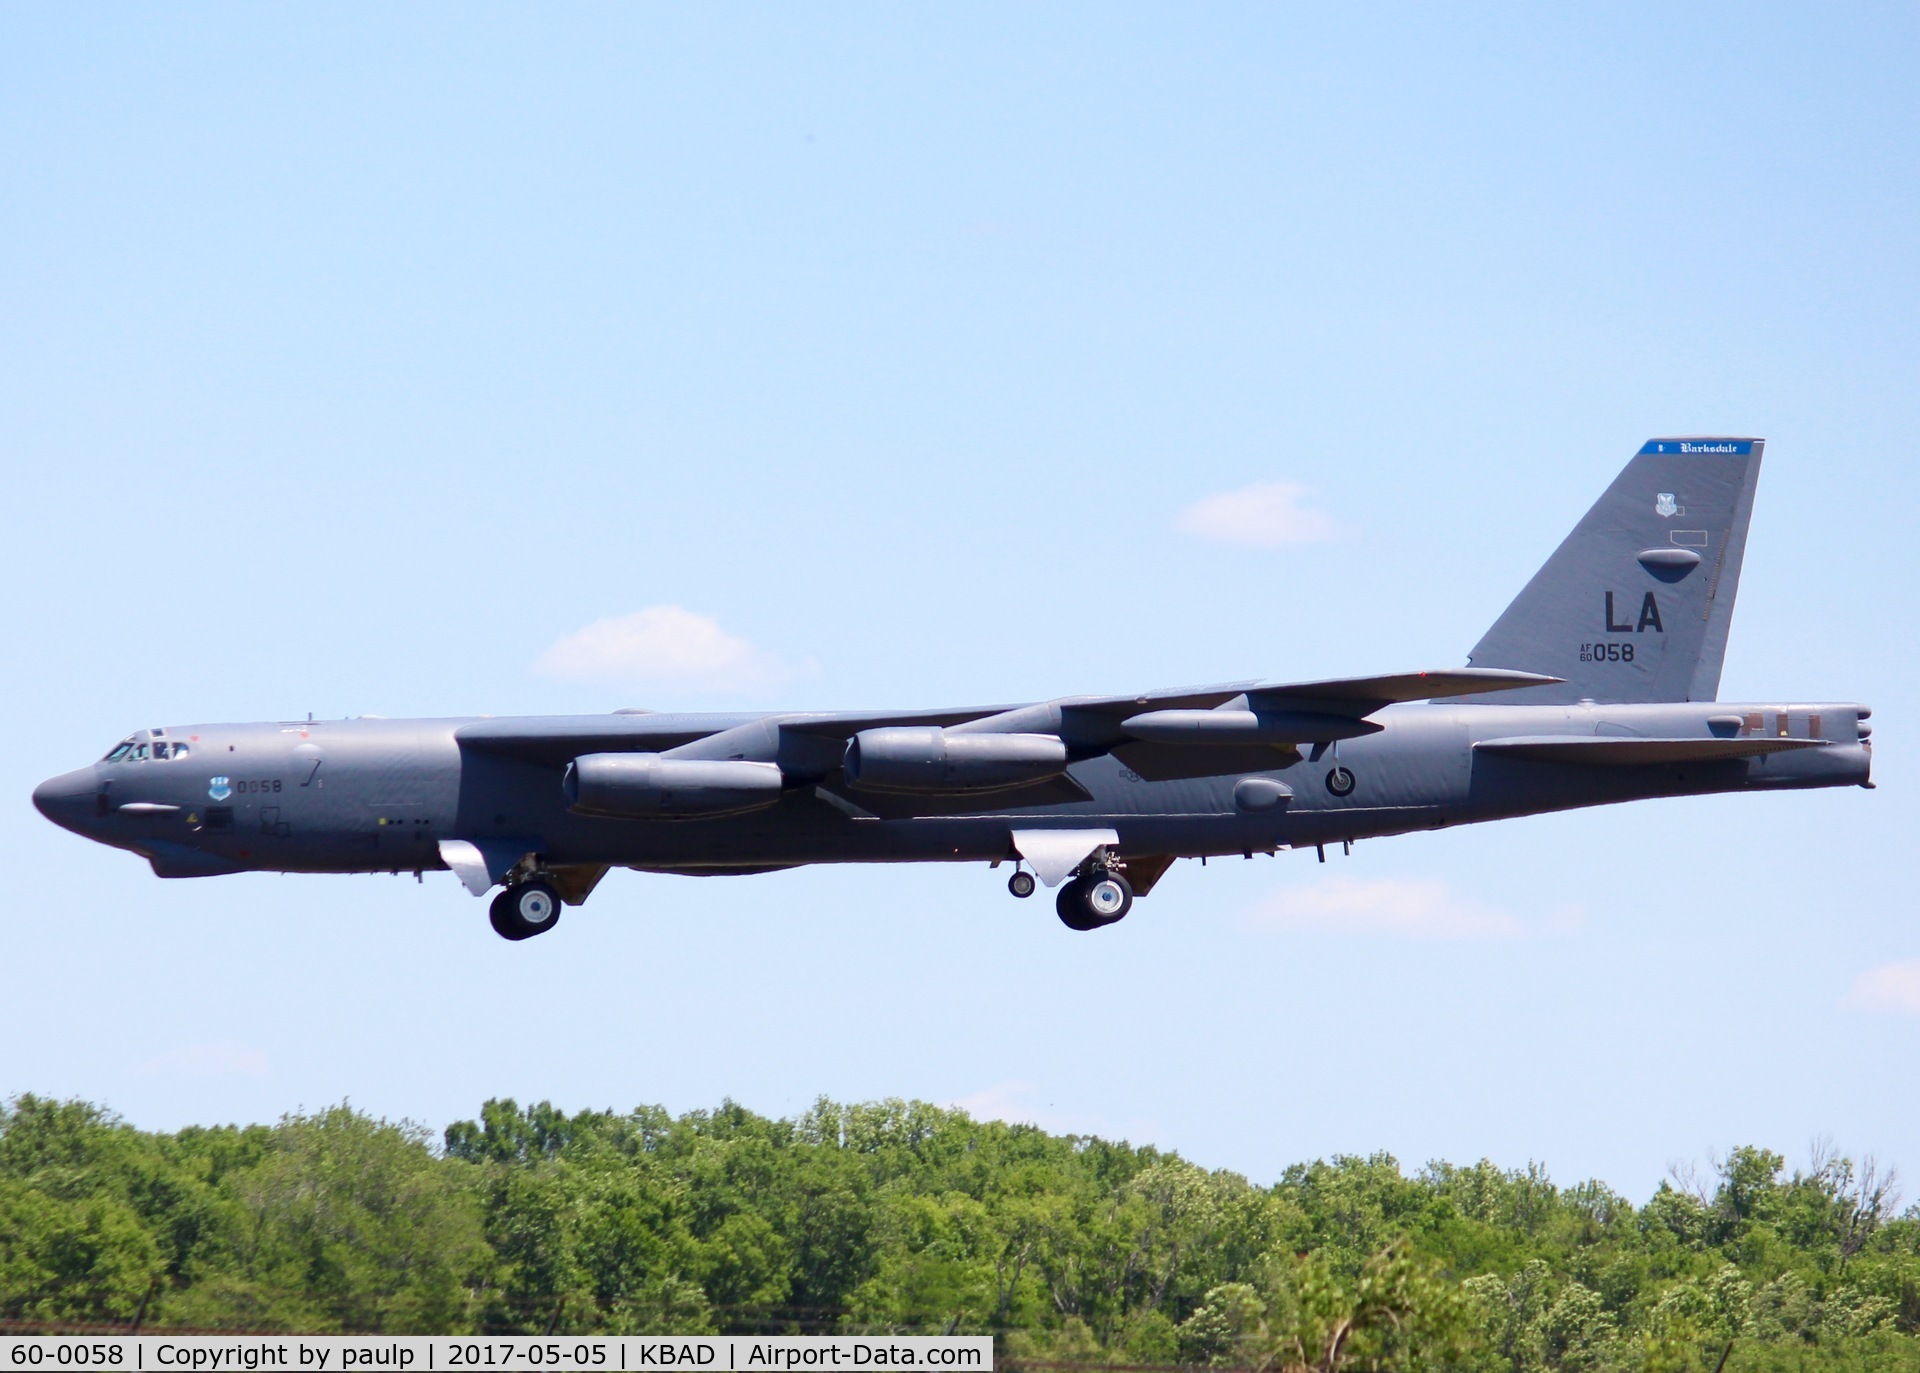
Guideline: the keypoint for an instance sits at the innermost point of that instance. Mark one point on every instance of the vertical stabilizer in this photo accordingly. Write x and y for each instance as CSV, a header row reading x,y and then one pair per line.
x,y
1636,603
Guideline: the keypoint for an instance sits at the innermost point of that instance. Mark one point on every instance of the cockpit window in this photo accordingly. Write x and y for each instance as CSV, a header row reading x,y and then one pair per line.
x,y
139,751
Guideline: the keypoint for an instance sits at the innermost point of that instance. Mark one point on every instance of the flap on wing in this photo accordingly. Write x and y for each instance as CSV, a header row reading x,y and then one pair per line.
x,y
1162,698
902,805
844,725
1172,762
1092,723
558,739
1364,695
1609,751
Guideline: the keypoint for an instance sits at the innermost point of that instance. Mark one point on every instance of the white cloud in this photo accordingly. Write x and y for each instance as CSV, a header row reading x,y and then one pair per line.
x,y
1890,987
662,645
1416,908
1264,515
1008,1101
207,1060
1016,1103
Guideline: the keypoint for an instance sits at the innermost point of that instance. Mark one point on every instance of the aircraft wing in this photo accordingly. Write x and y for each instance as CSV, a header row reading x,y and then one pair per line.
x,y
846,724
1094,724
1169,698
1617,751
1095,712
558,739
1364,695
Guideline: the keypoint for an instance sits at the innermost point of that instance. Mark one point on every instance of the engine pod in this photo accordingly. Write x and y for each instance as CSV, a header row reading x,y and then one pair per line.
x,y
928,759
646,786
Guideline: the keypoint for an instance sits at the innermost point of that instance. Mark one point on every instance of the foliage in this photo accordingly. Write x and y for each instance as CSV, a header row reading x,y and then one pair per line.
x,y
903,1217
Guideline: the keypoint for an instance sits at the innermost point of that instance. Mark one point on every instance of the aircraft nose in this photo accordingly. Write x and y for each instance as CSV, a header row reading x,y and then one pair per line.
x,y
67,800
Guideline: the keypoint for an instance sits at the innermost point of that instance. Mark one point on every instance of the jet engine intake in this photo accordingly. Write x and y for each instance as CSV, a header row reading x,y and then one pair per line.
x,y
645,786
930,759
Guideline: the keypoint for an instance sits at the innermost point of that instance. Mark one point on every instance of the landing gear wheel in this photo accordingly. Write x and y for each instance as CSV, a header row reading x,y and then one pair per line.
x,y
522,911
1087,903
1073,912
1109,897
494,914
1021,884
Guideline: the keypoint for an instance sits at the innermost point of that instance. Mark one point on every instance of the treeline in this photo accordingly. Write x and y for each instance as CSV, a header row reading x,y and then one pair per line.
x,y
904,1217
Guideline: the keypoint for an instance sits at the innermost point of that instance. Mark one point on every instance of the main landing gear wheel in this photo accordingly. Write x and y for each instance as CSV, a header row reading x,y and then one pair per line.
x,y
522,911
1021,884
1087,903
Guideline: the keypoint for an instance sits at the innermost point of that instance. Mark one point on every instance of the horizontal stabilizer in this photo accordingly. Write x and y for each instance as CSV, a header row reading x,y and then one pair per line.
x,y
1621,752
1364,695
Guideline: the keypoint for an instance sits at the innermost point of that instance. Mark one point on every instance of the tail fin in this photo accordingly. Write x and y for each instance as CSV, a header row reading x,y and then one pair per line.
x,y
1635,605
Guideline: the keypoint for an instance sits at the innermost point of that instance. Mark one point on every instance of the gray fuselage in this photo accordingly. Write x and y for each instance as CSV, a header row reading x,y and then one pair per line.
x,y
371,795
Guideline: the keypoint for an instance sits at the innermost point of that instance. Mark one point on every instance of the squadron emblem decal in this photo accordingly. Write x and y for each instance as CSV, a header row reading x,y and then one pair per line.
x,y
1663,505
219,788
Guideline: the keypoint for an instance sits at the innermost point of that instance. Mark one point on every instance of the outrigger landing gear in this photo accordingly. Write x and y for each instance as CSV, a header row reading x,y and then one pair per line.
x,y
1021,884
524,910
1098,895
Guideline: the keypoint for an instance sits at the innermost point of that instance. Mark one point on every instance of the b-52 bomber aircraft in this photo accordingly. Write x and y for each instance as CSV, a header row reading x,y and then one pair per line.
x,y
1597,685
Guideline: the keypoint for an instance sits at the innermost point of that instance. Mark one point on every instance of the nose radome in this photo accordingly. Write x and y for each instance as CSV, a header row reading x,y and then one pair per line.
x,y
67,800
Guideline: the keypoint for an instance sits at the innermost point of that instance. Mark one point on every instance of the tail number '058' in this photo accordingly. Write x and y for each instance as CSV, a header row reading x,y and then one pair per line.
x,y
265,784
1606,653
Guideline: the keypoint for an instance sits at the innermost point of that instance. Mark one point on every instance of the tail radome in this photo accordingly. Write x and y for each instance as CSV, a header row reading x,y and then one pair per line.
x,y
1636,603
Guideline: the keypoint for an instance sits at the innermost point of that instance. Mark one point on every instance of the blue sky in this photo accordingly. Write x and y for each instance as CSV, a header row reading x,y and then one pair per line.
x,y
358,359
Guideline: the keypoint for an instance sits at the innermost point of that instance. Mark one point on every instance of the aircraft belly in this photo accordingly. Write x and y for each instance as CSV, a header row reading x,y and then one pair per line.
x,y
976,838
1417,766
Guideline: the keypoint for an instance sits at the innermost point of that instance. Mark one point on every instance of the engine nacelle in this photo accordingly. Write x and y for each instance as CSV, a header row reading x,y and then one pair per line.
x,y
930,759
645,786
